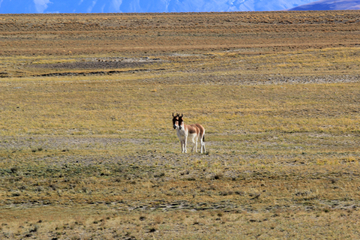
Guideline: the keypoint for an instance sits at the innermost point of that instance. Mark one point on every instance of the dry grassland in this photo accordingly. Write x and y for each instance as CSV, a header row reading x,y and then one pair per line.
x,y
87,149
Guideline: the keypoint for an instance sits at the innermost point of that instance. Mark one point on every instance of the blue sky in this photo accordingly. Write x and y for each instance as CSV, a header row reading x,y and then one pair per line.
x,y
106,6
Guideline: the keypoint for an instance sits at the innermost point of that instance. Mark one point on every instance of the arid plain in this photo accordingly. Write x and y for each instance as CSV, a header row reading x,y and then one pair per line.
x,y
87,148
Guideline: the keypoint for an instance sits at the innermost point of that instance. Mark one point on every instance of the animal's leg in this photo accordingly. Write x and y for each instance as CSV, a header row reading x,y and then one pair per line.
x,y
194,146
202,145
185,144
196,141
181,145
192,149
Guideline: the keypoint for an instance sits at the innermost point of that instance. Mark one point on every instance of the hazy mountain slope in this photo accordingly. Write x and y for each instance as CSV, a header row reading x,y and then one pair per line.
x,y
108,6
330,5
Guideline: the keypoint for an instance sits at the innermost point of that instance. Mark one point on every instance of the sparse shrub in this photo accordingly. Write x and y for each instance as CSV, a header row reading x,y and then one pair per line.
x,y
158,219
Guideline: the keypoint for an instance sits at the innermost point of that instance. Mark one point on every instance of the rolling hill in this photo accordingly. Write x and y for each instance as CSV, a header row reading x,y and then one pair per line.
x,y
329,5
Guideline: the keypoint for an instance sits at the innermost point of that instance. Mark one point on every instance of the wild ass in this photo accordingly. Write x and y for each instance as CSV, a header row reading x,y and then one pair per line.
x,y
194,131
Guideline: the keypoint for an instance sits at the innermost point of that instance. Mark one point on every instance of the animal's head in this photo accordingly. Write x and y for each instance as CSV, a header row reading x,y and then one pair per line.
x,y
175,121
180,121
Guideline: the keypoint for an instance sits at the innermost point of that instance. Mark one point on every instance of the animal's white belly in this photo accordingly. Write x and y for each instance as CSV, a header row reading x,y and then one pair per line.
x,y
181,135
192,136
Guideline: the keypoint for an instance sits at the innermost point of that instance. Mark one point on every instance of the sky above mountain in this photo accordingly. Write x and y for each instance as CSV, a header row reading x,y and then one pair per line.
x,y
127,6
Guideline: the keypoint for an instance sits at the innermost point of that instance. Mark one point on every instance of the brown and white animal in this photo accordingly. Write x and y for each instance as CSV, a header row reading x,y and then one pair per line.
x,y
195,132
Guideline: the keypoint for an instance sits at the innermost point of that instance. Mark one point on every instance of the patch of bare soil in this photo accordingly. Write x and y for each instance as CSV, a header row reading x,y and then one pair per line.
x,y
252,79
135,65
97,64
63,143
91,65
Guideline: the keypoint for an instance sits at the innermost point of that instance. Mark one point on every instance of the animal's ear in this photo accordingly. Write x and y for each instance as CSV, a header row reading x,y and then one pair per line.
x,y
182,115
173,115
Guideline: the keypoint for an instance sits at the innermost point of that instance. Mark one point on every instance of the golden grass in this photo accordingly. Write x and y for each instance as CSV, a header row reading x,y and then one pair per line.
x,y
95,156
186,224
108,140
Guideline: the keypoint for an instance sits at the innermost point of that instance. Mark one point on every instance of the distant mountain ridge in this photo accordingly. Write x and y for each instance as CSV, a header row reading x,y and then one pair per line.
x,y
139,6
329,5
